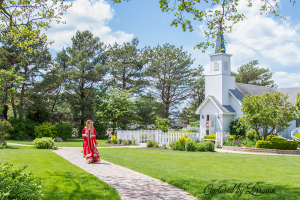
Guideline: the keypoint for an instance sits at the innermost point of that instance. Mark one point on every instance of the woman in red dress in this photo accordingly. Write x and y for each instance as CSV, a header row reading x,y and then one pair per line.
x,y
90,152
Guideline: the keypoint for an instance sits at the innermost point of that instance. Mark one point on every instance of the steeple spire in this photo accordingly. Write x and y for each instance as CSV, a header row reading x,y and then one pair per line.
x,y
220,41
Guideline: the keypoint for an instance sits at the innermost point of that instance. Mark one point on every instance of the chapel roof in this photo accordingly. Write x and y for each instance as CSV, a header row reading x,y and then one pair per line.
x,y
243,89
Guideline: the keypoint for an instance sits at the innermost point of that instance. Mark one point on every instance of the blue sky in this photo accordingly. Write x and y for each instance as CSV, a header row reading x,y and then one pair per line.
x,y
275,43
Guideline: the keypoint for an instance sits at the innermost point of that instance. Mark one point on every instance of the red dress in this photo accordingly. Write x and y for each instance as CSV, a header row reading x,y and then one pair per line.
x,y
90,152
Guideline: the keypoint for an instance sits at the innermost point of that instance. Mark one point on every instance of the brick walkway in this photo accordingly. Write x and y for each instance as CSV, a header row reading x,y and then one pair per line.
x,y
128,183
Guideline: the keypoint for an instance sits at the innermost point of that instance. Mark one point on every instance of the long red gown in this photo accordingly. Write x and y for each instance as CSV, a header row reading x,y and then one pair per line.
x,y
90,152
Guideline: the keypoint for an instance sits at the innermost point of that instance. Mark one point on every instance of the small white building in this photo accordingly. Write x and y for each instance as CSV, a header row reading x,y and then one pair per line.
x,y
223,96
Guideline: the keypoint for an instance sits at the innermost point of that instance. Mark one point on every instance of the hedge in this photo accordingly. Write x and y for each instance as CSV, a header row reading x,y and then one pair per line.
x,y
277,144
213,137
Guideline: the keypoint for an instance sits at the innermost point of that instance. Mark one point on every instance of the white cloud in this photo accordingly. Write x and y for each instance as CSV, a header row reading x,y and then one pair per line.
x,y
86,15
286,80
262,35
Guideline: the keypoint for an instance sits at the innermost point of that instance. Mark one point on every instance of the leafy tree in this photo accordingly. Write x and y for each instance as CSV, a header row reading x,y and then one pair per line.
x,y
297,104
9,81
26,64
162,124
187,115
170,75
38,111
126,65
21,18
84,70
212,13
115,107
147,109
252,74
269,111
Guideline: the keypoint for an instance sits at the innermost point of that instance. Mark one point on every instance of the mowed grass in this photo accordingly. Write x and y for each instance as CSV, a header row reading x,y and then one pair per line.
x,y
59,178
194,171
75,142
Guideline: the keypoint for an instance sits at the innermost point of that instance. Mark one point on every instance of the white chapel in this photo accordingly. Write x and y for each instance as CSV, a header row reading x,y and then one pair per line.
x,y
223,96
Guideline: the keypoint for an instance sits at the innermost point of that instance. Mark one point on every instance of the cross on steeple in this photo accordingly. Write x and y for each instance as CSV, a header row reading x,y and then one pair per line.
x,y
220,41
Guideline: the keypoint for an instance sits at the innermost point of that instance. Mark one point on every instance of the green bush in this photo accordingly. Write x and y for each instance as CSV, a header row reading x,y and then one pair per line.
x,y
150,143
45,130
4,128
277,143
212,137
297,135
237,128
200,146
232,137
22,128
209,146
43,143
162,124
125,142
101,131
64,130
155,144
205,146
15,184
164,146
251,134
190,146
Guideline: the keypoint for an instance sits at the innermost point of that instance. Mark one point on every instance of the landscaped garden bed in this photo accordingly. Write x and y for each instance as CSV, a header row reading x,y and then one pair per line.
x,y
261,150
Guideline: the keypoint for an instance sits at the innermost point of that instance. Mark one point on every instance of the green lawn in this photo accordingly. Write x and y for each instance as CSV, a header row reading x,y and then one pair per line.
x,y
59,178
77,142
193,171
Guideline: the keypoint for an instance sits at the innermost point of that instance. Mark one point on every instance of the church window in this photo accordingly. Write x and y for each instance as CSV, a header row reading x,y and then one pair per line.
x,y
226,66
216,66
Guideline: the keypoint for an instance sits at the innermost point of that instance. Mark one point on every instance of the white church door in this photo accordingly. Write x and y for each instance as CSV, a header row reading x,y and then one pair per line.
x,y
212,124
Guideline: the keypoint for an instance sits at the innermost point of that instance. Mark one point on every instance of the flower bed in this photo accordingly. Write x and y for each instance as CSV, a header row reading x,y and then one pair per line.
x,y
260,150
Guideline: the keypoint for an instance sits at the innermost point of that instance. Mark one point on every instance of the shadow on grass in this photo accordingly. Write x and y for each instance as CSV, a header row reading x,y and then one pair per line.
x,y
11,147
214,189
67,185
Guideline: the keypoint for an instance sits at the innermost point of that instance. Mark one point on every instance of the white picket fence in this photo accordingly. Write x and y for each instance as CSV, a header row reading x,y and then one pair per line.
x,y
142,136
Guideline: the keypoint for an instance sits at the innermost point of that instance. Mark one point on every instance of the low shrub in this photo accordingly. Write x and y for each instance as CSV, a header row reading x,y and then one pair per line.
x,y
134,141
190,146
212,137
64,130
183,140
164,146
22,128
251,134
237,127
210,146
200,146
233,142
125,142
15,184
205,146
43,143
150,143
155,144
297,135
129,142
232,137
45,130
277,143
113,139
178,146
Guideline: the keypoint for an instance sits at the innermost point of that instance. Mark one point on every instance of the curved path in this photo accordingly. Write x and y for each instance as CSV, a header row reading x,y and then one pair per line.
x,y
128,183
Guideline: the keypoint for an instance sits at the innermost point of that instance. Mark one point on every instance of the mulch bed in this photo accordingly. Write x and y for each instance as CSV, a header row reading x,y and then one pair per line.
x,y
260,150
119,144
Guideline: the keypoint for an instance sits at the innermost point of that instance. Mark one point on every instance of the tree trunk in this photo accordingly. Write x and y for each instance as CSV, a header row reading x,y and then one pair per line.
x,y
5,111
14,106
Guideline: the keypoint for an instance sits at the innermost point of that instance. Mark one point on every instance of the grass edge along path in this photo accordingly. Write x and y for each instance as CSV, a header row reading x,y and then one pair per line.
x,y
74,142
194,171
58,177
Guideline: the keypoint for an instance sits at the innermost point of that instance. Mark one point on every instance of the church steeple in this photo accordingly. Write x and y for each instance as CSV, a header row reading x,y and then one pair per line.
x,y
220,41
